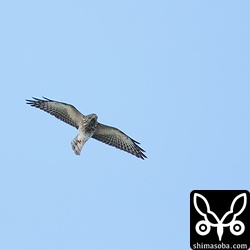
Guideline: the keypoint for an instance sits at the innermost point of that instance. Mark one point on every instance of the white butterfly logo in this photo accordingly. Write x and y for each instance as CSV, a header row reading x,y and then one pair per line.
x,y
203,227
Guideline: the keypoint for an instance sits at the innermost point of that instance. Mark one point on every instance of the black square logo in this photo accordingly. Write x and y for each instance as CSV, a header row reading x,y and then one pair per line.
x,y
220,219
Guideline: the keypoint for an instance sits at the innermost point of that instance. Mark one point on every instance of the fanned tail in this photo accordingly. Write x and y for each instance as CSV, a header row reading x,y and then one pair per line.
x,y
77,144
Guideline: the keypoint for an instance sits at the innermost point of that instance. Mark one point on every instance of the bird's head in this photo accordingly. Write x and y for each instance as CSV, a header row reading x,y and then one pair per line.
x,y
91,121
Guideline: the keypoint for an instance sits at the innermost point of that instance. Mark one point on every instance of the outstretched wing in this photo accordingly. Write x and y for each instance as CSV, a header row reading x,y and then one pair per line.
x,y
116,138
63,111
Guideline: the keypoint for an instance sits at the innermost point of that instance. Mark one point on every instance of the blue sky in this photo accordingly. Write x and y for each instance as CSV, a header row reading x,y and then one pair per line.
x,y
173,75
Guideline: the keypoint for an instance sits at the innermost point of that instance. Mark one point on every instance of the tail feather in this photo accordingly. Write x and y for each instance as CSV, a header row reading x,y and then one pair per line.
x,y
77,144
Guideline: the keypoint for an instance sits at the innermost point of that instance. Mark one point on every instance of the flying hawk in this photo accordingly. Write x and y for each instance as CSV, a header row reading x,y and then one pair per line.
x,y
88,127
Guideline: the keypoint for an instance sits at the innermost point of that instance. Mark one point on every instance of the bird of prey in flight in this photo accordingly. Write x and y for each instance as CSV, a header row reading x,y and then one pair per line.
x,y
88,127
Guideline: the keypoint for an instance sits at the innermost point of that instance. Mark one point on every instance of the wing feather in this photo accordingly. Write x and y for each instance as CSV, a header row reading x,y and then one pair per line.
x,y
116,138
63,111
